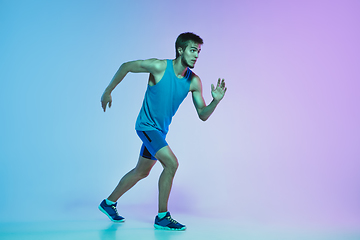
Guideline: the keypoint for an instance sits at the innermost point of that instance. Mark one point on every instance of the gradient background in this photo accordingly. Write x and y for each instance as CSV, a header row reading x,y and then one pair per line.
x,y
281,148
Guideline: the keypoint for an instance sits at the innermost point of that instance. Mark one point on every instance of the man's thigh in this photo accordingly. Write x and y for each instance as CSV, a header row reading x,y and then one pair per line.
x,y
144,164
166,156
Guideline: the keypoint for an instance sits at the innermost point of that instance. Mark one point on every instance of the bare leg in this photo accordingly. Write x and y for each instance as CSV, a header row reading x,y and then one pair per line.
x,y
170,164
141,171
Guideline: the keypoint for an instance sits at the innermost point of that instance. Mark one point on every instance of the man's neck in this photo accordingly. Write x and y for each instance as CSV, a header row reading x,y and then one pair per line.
x,y
179,68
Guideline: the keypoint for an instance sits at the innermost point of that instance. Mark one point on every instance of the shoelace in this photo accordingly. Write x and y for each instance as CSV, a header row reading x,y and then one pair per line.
x,y
172,220
113,207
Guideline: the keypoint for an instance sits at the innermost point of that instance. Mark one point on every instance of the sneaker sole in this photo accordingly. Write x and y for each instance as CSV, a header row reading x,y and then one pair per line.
x,y
167,228
101,209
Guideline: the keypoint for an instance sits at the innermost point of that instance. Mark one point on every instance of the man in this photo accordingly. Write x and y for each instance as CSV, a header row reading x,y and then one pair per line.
x,y
168,85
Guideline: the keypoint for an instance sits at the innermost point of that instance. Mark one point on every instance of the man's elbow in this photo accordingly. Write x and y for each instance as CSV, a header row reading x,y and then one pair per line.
x,y
125,67
203,118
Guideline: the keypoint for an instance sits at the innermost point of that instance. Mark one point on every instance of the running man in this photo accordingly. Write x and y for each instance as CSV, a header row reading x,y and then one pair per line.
x,y
168,85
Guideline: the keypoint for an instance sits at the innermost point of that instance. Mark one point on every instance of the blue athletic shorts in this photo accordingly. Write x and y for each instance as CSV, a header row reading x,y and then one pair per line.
x,y
153,141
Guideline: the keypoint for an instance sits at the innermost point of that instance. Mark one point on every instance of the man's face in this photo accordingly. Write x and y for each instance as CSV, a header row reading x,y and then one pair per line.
x,y
191,54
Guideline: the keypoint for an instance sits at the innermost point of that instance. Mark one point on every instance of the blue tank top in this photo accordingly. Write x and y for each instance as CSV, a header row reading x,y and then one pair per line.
x,y
162,100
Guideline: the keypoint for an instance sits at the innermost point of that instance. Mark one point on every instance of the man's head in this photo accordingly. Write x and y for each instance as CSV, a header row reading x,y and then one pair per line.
x,y
188,45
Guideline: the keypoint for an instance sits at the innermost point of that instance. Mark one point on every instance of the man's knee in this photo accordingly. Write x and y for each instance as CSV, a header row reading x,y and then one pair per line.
x,y
170,163
141,173
167,159
143,167
173,167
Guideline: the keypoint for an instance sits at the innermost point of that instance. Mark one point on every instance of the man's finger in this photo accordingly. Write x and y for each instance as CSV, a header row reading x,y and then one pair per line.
x,y
110,104
212,87
103,106
223,83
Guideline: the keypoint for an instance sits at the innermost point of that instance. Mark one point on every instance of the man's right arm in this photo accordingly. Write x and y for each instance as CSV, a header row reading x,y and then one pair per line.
x,y
153,66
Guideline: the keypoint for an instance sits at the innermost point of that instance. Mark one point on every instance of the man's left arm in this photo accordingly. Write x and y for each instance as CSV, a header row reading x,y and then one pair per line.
x,y
217,93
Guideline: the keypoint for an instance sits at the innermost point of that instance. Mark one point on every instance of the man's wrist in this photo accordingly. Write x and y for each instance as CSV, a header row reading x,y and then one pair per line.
x,y
215,101
108,91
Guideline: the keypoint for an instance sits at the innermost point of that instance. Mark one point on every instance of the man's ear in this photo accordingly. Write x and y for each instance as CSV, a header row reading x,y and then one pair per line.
x,y
180,51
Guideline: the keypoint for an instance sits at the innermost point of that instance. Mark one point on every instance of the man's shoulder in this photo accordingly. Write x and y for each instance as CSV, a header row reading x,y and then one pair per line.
x,y
194,77
195,83
158,65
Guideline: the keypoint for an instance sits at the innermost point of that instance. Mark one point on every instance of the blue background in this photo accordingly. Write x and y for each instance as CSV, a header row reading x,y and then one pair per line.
x,y
281,148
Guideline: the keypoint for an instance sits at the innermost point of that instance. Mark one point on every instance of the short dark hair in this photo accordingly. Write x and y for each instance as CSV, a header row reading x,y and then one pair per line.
x,y
183,40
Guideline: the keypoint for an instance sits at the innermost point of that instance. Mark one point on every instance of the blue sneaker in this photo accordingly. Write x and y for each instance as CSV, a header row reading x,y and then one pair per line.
x,y
167,223
111,211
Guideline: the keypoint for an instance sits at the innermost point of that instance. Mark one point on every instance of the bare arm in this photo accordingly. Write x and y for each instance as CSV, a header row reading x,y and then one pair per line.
x,y
217,93
153,66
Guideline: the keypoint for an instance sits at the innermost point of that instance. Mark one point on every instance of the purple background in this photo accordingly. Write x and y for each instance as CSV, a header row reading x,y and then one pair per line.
x,y
281,148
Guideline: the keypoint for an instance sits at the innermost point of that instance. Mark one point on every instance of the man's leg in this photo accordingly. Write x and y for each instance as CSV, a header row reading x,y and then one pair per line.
x,y
141,171
108,206
170,164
